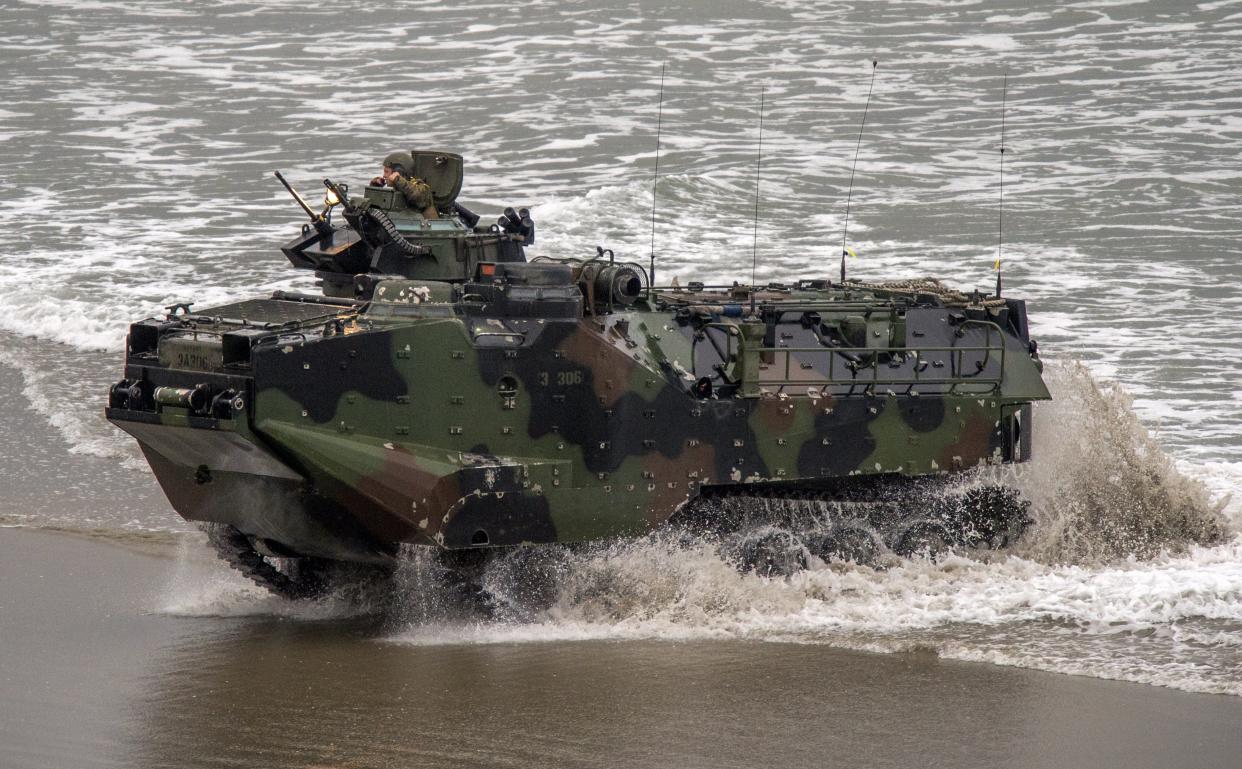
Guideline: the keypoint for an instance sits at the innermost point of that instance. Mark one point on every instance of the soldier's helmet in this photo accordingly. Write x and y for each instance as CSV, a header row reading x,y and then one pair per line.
x,y
401,162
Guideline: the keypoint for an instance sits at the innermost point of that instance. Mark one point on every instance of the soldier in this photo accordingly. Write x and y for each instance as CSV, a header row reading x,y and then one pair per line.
x,y
396,174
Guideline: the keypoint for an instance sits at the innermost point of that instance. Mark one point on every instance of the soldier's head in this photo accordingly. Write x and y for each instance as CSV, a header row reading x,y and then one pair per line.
x,y
397,163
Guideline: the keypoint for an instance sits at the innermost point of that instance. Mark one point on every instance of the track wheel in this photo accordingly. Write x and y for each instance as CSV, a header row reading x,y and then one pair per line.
x,y
928,539
846,543
522,582
293,579
996,515
769,554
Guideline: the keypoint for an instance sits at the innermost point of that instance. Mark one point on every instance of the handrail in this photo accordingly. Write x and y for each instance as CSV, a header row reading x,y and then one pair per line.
x,y
956,358
919,354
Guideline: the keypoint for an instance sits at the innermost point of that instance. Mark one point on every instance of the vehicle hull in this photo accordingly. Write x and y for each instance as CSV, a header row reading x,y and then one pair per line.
x,y
342,431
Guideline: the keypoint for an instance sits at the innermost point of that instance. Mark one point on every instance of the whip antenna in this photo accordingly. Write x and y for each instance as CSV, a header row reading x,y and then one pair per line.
x,y
655,177
1000,206
754,248
850,193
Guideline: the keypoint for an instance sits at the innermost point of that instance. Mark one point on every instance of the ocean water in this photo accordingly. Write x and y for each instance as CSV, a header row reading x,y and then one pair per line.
x,y
137,141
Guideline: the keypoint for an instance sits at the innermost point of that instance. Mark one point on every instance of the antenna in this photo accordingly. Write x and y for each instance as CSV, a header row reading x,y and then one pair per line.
x,y
655,177
1000,207
850,194
754,248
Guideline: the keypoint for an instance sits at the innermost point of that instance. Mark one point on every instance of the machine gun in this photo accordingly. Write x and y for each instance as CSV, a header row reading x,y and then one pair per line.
x,y
320,220
371,223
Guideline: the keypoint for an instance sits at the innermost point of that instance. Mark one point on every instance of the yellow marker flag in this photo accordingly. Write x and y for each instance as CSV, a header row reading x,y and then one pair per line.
x,y
996,265
851,252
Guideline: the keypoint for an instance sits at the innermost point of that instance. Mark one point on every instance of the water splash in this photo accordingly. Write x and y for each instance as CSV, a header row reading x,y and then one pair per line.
x,y
1100,485
1169,621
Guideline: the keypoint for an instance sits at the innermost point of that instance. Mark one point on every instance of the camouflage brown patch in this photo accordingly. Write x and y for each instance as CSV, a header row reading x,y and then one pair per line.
x,y
410,492
610,368
673,480
974,442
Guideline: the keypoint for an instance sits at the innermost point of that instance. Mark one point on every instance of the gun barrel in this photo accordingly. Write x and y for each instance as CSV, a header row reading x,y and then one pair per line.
x,y
301,202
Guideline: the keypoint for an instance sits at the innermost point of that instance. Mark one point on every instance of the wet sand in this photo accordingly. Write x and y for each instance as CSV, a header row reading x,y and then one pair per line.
x,y
95,673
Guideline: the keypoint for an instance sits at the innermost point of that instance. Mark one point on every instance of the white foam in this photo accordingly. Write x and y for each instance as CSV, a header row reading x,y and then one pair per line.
x,y
1001,611
992,42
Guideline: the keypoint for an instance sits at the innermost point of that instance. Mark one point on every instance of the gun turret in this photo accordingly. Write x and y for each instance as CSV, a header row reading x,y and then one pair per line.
x,y
371,236
372,224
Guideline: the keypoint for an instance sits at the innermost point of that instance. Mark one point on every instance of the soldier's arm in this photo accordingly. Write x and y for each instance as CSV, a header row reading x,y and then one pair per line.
x,y
403,185
416,192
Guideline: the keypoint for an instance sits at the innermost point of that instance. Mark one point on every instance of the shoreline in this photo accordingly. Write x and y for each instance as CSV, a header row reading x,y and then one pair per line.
x,y
89,649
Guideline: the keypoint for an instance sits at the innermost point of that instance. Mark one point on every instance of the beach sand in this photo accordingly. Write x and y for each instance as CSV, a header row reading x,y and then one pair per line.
x,y
101,665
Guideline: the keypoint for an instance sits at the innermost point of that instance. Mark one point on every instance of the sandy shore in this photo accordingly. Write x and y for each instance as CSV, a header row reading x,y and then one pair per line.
x,y
98,671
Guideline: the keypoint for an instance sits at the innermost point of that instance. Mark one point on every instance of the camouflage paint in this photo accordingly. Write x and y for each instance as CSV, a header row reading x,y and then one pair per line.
x,y
439,428
467,398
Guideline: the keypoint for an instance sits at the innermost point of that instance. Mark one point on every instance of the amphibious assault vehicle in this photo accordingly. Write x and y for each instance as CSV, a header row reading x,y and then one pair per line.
x,y
445,390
